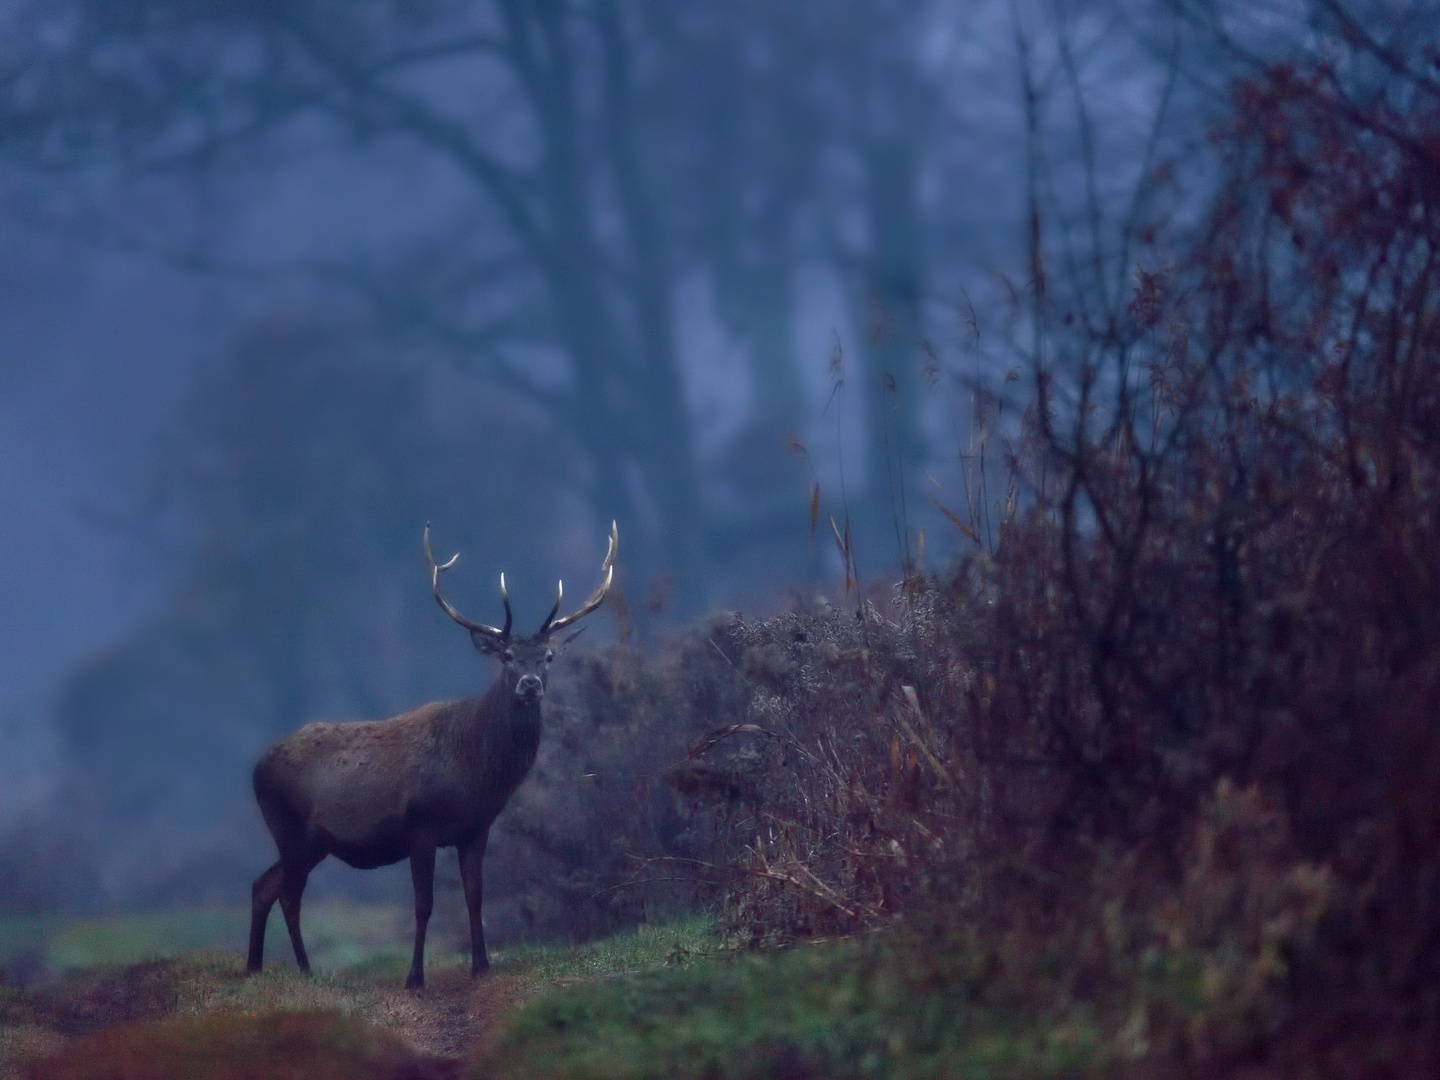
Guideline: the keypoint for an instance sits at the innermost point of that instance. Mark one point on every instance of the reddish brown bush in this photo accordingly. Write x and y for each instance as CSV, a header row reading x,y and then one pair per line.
x,y
1226,582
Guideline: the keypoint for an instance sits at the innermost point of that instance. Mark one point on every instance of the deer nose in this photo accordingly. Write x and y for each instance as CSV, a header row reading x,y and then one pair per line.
x,y
528,685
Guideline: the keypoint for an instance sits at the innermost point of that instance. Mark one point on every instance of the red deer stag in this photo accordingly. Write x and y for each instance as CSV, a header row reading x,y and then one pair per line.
x,y
374,792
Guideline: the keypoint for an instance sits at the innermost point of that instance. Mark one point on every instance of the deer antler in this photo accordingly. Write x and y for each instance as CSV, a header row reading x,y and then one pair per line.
x,y
501,635
607,575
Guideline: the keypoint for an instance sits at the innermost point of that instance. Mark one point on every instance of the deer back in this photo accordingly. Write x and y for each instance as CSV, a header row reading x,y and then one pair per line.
x,y
360,788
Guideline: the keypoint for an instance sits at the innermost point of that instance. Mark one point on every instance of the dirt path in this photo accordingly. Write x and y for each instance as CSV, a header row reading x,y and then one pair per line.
x,y
451,1016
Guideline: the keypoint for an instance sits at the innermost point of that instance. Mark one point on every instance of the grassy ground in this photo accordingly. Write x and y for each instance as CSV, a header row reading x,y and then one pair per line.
x,y
876,1007
665,1001
340,936
143,1005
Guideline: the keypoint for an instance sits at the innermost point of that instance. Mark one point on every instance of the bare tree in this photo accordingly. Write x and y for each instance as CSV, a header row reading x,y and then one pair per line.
x,y
530,103
592,150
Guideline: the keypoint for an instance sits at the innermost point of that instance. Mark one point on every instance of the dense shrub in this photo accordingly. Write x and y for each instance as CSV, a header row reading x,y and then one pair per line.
x,y
1193,695
1119,985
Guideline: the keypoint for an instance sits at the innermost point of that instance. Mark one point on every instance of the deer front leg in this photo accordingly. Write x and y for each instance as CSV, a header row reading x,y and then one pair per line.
x,y
472,859
422,875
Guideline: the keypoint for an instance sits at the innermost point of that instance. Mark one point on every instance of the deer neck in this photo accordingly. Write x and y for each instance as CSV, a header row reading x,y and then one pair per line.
x,y
524,725
503,727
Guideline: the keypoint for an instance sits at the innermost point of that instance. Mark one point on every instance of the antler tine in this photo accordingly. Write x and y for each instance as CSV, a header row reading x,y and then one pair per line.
x,y
607,575
478,628
505,596
559,595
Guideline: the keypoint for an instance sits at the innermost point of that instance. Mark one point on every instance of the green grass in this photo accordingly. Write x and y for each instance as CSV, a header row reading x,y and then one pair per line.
x,y
882,1007
339,936
642,949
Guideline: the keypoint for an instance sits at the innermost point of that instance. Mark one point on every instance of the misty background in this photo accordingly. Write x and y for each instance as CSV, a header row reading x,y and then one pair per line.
x,y
281,282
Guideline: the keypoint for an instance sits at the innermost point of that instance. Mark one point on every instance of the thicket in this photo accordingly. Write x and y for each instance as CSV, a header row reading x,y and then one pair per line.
x,y
1179,730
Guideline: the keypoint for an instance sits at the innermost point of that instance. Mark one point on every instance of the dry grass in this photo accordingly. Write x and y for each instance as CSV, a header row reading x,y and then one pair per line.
x,y
284,1046
96,1016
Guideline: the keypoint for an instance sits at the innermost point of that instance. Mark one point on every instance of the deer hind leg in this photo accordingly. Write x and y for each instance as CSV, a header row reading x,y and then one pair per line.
x,y
422,874
472,859
291,889
263,895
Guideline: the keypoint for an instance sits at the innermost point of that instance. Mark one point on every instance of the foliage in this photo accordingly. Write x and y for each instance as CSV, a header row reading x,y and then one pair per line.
x,y
1198,675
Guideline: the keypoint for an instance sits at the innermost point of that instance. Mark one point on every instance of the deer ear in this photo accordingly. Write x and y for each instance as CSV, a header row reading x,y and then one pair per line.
x,y
484,643
572,637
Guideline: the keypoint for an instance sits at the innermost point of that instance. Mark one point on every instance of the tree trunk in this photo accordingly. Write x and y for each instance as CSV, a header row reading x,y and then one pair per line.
x,y
661,416
894,283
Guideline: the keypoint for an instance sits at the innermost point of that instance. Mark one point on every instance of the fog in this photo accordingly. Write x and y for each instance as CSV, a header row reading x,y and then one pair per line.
x,y
277,287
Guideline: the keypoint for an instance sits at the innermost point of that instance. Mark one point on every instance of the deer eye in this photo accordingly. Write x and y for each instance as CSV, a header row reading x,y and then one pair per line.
x,y
506,656
549,655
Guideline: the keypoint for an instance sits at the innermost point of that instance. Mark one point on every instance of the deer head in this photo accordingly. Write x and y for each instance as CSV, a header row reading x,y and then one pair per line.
x,y
526,660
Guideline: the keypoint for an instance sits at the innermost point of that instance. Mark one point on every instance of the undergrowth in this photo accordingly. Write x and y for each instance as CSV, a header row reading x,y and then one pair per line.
x,y
1177,726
